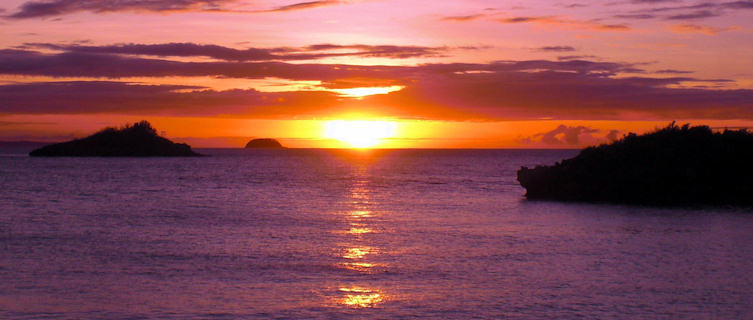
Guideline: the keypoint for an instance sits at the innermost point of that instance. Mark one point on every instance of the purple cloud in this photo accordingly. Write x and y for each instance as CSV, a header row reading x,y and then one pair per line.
x,y
41,9
556,48
51,8
304,5
701,10
567,136
117,97
534,89
311,52
672,71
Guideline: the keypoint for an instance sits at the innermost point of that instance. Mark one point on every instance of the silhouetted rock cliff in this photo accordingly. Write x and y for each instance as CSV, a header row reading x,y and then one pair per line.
x,y
137,140
671,166
264,143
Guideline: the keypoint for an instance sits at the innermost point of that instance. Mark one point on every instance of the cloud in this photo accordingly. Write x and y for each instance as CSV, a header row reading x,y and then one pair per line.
x,y
612,135
566,22
701,14
701,10
40,9
635,16
311,52
530,89
464,18
80,64
305,5
77,97
556,49
563,95
576,57
672,71
51,8
560,21
380,51
700,29
739,5
567,136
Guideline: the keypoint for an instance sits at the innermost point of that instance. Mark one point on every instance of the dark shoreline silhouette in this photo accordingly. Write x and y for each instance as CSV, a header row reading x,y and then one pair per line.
x,y
264,143
137,140
676,165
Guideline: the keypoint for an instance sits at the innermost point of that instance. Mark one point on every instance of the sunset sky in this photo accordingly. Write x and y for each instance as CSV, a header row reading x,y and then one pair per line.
x,y
457,74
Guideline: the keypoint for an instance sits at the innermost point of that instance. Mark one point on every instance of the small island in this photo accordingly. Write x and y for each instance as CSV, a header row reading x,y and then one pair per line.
x,y
676,165
264,143
137,140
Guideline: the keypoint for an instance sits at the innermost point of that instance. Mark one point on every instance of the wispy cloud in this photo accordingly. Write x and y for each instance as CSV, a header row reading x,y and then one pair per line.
x,y
571,136
49,8
464,18
575,5
701,14
305,5
653,1
311,52
52,8
701,29
672,71
556,48
575,89
697,11
566,22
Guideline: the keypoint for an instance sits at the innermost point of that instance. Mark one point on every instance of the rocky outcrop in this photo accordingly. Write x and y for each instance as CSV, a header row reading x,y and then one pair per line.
x,y
676,165
265,143
137,140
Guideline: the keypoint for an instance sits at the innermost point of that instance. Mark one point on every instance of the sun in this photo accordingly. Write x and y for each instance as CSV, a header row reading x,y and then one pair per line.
x,y
360,133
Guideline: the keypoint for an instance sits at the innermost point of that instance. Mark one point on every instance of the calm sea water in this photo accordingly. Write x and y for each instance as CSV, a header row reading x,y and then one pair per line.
x,y
294,234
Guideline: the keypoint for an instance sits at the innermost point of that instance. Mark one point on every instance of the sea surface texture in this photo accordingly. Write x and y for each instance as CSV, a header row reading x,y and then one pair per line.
x,y
301,234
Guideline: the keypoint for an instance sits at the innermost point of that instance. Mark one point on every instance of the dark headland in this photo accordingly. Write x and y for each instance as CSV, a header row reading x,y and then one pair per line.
x,y
137,140
676,165
264,143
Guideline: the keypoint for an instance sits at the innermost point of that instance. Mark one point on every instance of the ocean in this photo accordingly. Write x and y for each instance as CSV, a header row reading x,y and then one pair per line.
x,y
343,234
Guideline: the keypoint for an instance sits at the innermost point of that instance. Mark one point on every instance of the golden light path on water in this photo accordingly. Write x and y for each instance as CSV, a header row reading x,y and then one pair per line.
x,y
357,250
361,297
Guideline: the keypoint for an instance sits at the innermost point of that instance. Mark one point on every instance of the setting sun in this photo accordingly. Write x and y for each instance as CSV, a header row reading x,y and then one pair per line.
x,y
360,133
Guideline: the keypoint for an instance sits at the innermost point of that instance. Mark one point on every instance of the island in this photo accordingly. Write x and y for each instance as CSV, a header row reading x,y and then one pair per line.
x,y
264,143
675,165
137,140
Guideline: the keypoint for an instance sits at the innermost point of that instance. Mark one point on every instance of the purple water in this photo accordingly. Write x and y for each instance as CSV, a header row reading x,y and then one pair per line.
x,y
294,234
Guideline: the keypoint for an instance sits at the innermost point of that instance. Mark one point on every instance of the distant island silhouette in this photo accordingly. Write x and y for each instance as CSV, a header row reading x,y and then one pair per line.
x,y
137,140
676,165
265,143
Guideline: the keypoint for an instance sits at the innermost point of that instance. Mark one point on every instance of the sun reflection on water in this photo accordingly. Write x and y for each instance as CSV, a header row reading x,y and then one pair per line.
x,y
357,249
359,266
358,253
358,297
360,214
356,230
